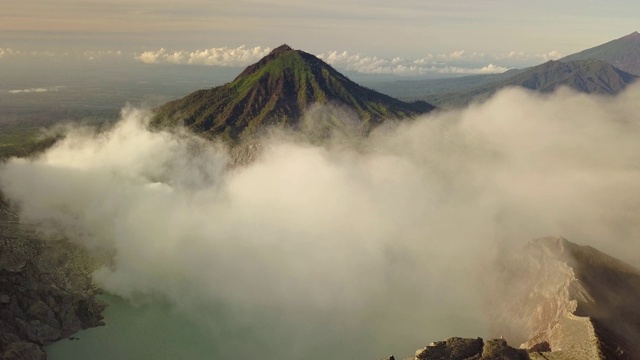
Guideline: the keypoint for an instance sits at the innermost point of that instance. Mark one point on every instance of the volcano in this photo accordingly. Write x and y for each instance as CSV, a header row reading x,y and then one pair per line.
x,y
279,90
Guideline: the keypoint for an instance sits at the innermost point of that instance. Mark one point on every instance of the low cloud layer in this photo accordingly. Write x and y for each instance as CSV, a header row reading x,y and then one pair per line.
x,y
35,90
399,66
458,62
346,250
523,56
101,54
241,56
436,64
223,56
4,52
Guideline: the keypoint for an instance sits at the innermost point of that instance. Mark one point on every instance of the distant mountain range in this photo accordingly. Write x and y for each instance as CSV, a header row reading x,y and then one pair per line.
x,y
281,88
278,90
623,53
588,76
604,69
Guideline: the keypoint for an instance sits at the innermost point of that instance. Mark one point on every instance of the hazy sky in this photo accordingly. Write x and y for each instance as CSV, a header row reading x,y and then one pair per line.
x,y
499,32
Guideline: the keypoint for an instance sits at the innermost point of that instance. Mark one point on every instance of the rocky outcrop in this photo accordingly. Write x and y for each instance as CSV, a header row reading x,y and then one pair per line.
x,y
470,349
245,153
532,291
46,293
562,301
572,299
568,300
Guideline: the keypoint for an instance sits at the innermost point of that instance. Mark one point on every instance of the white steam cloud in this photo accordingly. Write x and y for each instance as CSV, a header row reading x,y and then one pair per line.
x,y
222,56
342,250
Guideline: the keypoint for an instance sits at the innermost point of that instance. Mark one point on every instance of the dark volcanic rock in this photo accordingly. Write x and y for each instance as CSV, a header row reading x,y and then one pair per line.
x,y
470,349
21,350
498,349
453,348
46,292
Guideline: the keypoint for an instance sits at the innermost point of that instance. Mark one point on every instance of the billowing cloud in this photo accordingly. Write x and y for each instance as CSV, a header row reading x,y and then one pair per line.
x,y
430,64
357,248
222,56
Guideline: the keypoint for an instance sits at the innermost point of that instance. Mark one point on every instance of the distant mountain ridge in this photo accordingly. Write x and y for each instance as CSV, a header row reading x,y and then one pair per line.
x,y
588,76
623,53
278,90
604,69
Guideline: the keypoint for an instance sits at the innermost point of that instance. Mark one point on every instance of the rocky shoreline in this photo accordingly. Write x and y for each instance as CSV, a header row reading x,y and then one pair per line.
x,y
46,291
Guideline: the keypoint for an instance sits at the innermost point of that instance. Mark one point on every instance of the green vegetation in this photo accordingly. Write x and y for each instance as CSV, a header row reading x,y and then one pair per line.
x,y
18,141
277,91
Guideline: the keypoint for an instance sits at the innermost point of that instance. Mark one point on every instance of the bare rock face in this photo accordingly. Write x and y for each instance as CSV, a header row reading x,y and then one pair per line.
x,y
534,290
562,301
568,300
46,293
24,351
245,153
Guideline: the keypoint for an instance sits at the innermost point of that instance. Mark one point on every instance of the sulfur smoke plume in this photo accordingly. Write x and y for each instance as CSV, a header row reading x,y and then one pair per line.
x,y
347,250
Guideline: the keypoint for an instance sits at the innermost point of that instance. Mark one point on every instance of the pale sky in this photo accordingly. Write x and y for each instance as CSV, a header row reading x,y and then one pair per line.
x,y
484,34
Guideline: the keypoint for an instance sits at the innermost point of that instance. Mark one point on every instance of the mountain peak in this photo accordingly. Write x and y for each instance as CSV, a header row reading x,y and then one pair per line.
x,y
274,54
281,49
634,35
623,53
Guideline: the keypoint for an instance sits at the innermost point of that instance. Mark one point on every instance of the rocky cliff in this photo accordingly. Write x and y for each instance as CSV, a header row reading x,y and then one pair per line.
x,y
562,301
576,300
46,293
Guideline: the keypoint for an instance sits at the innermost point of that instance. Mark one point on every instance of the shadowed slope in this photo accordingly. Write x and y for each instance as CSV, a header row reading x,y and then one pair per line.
x,y
623,53
588,76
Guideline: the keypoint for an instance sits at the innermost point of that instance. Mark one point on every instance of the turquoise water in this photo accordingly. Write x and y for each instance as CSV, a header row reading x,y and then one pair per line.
x,y
136,332
156,331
